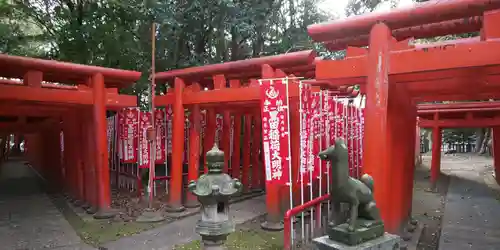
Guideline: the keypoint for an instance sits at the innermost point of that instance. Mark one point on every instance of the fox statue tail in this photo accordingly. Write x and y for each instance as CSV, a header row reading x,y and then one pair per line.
x,y
367,180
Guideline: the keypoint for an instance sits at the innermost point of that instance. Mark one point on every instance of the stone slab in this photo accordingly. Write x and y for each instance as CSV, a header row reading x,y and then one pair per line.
x,y
386,242
28,218
365,231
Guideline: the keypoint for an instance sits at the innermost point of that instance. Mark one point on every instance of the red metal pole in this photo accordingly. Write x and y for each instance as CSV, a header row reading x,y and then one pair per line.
x,y
436,155
101,149
420,14
175,193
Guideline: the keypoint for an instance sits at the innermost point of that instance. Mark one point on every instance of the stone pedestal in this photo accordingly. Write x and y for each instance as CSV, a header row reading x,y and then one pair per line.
x,y
385,242
365,230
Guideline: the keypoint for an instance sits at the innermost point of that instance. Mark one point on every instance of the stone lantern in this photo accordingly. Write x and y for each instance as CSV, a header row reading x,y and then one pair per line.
x,y
213,191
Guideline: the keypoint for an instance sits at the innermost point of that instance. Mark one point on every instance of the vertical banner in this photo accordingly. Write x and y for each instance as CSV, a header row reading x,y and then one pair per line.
x,y
315,134
231,137
218,128
144,146
161,134
131,132
187,125
332,117
109,133
169,119
275,131
203,124
121,134
305,131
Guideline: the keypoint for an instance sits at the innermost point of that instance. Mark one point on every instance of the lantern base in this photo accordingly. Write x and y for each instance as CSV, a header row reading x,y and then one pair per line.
x,y
105,213
150,215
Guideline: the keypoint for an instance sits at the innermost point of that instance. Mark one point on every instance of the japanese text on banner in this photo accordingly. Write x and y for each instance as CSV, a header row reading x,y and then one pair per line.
x,y
131,132
305,124
145,146
169,119
160,127
274,111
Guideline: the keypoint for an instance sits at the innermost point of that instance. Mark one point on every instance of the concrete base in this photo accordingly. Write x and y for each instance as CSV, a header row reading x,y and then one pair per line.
x,y
272,226
77,203
151,216
386,242
206,245
91,210
86,205
174,208
103,214
192,204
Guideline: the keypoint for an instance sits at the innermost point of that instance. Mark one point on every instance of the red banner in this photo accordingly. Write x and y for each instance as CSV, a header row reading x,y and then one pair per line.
x,y
160,127
315,134
218,129
187,125
120,134
145,146
130,134
203,123
169,124
276,140
110,129
306,165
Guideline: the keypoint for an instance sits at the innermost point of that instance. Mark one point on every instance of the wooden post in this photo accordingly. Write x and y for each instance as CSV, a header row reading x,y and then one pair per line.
x,y
379,125
101,149
235,160
246,155
436,155
175,194
194,149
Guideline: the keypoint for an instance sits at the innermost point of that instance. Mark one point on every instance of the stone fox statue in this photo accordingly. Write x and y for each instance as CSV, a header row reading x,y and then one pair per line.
x,y
345,189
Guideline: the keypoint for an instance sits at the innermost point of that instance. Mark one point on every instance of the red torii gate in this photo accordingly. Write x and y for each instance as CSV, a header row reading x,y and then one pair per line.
x,y
397,75
458,115
41,110
242,97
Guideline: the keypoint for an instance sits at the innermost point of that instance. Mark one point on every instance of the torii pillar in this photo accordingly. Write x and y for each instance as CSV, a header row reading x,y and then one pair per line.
x,y
386,153
101,149
436,152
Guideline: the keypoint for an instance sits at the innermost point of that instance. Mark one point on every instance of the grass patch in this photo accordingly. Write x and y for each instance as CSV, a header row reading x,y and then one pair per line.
x,y
246,239
97,232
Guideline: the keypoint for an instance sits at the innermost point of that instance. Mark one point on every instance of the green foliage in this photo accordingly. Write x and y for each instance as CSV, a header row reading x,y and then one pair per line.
x,y
117,34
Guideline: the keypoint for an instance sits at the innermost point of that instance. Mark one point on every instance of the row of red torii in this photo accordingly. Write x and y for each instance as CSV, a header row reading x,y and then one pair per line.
x,y
258,146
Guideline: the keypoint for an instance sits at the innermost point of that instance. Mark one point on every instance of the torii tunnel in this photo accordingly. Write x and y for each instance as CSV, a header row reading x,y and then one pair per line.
x,y
40,99
460,115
